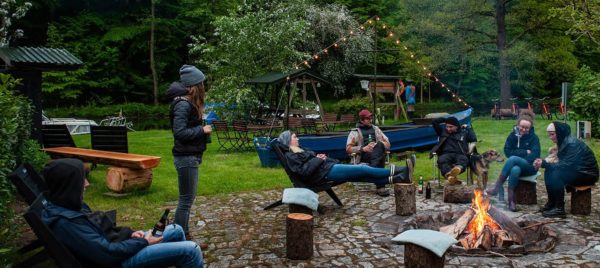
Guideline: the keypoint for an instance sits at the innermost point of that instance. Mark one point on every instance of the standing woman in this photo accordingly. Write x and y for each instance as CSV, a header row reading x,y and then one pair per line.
x,y
189,137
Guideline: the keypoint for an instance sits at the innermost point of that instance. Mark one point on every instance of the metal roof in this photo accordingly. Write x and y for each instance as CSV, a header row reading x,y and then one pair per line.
x,y
277,77
379,77
39,58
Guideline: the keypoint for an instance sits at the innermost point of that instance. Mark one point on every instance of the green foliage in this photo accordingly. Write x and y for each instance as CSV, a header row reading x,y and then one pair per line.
x,y
353,105
586,98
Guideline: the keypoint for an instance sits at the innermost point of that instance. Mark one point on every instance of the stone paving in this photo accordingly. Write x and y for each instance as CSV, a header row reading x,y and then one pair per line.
x,y
241,234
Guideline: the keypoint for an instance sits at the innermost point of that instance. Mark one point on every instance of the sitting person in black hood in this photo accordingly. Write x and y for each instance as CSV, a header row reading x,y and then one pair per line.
x,y
314,169
72,222
453,147
576,166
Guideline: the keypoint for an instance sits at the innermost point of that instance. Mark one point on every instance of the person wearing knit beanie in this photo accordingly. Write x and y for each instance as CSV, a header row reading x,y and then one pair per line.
x,y
452,121
189,75
453,147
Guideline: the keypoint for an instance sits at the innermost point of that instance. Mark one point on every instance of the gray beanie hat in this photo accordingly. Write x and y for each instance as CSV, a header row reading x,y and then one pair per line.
x,y
189,75
285,137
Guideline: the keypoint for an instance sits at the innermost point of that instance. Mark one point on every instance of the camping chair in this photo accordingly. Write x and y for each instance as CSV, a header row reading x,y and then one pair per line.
x,y
109,138
225,136
53,247
468,170
327,186
28,182
56,136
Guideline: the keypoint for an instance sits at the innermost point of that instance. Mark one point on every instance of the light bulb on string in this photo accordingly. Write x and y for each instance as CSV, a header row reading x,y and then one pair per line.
x,y
391,34
412,56
418,61
424,68
405,48
324,50
351,32
397,41
335,45
316,57
344,39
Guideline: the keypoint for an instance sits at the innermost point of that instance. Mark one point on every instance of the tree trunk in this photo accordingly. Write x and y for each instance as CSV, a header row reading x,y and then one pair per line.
x,y
299,238
406,203
503,64
417,256
525,193
152,63
581,202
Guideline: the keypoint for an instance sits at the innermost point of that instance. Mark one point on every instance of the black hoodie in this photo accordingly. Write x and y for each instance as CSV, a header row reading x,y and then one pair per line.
x,y
573,154
188,134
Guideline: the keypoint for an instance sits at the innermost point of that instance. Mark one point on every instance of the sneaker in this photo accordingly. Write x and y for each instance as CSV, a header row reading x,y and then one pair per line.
x,y
546,207
382,191
555,213
410,166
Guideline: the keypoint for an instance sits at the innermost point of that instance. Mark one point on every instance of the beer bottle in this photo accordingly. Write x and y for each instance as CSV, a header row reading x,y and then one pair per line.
x,y
428,191
370,139
420,189
159,227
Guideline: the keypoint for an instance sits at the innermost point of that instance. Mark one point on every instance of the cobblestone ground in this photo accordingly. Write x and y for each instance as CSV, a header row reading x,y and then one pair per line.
x,y
241,234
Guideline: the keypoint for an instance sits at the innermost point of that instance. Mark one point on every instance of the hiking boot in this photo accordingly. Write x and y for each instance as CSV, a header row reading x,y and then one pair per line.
x,y
557,212
455,171
452,180
499,184
548,206
511,204
382,191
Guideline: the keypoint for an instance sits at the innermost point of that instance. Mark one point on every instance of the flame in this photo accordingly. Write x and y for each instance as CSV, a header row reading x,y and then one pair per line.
x,y
480,204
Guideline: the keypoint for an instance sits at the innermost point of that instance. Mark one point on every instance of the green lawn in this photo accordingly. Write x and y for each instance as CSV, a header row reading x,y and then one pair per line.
x,y
236,172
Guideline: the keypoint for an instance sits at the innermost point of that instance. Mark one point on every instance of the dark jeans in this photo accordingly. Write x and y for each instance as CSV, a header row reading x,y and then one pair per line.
x,y
557,179
376,158
515,168
448,160
187,176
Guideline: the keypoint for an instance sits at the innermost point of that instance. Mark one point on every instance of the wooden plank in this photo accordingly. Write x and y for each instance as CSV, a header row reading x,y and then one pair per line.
x,y
134,161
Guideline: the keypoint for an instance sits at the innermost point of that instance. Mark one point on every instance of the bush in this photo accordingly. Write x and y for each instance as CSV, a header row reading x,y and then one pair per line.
x,y
586,98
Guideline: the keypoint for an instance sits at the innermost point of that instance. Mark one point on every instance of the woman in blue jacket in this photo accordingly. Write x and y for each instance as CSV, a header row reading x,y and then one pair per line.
x,y
521,148
75,226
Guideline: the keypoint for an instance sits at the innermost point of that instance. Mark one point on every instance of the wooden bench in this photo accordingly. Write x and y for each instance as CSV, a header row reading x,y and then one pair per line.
x,y
581,200
127,171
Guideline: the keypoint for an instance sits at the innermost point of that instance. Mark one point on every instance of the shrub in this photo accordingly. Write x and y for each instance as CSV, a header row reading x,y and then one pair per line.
x,y
586,98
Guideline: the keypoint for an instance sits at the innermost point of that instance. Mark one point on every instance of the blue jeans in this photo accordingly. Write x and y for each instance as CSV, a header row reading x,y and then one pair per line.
x,y
515,168
359,173
187,176
173,250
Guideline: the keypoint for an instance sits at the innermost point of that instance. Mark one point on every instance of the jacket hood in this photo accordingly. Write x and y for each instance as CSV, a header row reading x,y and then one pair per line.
x,y
176,89
53,213
562,132
65,179
516,132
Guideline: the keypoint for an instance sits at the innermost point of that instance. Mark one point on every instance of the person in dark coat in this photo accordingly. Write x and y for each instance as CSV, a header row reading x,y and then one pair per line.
x,y
453,147
189,137
576,166
70,220
315,169
522,147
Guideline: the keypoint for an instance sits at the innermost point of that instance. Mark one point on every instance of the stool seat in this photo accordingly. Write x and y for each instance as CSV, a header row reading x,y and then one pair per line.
x,y
531,178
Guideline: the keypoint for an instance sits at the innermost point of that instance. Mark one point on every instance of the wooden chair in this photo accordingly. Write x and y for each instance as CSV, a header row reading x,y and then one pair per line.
x,y
28,182
297,182
309,125
293,124
329,120
109,138
56,136
225,136
348,119
244,141
53,247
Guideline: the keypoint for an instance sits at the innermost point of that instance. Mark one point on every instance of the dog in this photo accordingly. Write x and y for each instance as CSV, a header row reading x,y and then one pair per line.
x,y
480,164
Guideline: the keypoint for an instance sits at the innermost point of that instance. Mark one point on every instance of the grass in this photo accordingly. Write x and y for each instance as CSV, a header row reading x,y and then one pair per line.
x,y
222,173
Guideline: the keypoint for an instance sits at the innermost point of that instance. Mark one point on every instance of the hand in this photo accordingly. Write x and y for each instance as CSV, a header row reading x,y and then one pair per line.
x,y
537,163
138,234
368,148
152,239
528,151
464,126
207,129
322,156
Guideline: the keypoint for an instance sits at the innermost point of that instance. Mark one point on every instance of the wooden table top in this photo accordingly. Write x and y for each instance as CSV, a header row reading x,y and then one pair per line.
x,y
135,161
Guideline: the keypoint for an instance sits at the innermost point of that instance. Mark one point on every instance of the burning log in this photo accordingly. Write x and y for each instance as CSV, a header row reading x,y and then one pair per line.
x,y
484,240
459,226
503,240
506,223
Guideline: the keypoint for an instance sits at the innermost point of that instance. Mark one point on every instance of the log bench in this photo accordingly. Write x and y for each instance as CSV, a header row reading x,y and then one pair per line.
x,y
581,200
126,171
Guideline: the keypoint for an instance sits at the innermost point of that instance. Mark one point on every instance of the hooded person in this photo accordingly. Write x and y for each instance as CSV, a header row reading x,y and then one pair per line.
x,y
576,166
453,147
70,220
522,147
369,145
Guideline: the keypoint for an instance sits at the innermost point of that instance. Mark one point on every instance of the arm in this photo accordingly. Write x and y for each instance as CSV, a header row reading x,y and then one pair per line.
x,y
82,238
509,149
352,143
383,138
436,125
181,131
535,150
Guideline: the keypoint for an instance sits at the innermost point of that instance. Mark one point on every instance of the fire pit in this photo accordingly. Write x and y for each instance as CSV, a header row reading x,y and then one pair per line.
x,y
484,230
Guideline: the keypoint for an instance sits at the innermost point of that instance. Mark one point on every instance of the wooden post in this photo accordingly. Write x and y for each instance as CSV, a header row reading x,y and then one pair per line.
x,y
299,236
525,193
419,257
581,201
406,202
458,193
293,208
122,179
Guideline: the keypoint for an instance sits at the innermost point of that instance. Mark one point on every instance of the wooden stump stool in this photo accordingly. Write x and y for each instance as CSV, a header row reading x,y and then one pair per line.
x,y
406,201
525,193
122,179
299,236
458,193
420,257
581,200
293,208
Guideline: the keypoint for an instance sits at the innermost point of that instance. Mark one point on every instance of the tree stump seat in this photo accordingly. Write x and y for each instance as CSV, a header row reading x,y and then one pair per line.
x,y
525,193
405,199
581,200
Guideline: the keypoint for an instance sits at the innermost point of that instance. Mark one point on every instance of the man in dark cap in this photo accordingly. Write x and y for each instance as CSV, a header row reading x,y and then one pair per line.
x,y
72,222
453,147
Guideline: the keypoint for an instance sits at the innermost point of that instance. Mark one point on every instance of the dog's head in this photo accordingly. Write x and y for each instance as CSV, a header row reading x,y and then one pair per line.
x,y
492,155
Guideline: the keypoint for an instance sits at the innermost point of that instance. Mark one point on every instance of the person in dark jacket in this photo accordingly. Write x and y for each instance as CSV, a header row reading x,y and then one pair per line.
x,y
314,169
522,147
189,136
576,166
70,220
453,147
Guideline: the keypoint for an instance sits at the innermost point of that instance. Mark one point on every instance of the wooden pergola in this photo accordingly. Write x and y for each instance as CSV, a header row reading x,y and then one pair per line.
x,y
385,84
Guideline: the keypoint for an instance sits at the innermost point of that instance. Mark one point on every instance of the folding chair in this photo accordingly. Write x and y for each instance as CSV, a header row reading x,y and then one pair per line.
x,y
56,136
243,138
327,186
109,138
225,136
